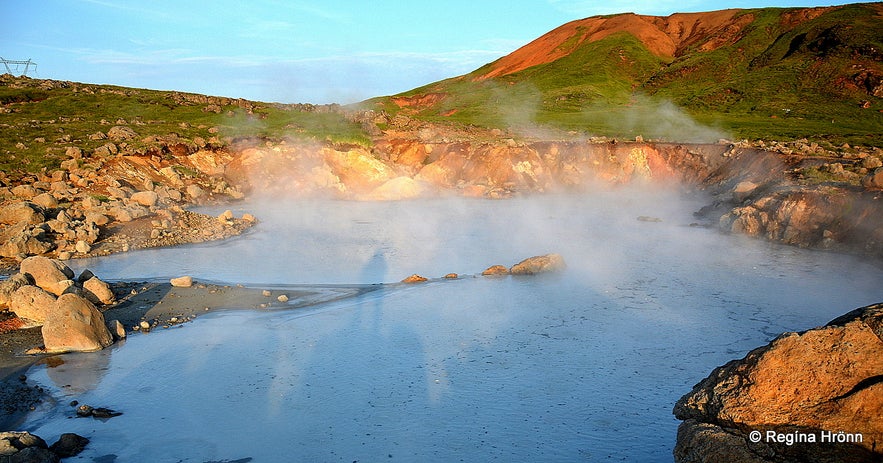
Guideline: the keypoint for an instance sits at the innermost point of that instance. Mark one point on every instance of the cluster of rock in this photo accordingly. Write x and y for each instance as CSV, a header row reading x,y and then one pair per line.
x,y
813,396
67,213
547,263
45,293
24,447
755,193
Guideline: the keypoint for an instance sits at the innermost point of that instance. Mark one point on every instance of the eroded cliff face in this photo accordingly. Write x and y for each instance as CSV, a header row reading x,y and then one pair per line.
x,y
753,191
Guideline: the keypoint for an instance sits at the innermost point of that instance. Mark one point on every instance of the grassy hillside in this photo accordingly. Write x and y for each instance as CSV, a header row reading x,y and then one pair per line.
x,y
787,74
43,118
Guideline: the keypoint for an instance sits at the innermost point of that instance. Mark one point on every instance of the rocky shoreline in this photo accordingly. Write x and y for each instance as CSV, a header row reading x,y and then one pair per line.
x,y
812,396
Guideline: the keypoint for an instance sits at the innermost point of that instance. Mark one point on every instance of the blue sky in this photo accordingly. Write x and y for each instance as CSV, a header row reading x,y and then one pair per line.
x,y
291,51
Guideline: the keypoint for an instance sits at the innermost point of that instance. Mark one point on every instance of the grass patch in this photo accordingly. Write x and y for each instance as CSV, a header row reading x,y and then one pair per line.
x,y
44,118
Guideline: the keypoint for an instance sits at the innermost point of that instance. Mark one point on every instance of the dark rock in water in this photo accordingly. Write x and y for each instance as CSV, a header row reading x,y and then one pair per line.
x,y
495,270
68,445
539,264
414,279
86,411
812,396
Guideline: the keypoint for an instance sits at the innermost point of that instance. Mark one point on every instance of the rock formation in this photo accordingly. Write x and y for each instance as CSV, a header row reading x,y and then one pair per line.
x,y
71,321
539,264
812,396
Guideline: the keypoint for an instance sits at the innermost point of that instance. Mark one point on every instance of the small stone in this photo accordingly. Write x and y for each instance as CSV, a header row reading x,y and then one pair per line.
x,y
117,330
414,279
144,325
282,298
452,276
266,293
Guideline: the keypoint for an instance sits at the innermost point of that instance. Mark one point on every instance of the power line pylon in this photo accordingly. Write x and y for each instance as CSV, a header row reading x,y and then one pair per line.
x,y
13,66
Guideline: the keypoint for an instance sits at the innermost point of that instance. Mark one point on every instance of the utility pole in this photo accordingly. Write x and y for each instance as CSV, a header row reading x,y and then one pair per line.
x,y
13,66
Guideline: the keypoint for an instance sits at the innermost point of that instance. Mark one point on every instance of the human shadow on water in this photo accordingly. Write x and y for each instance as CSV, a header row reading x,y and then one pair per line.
x,y
364,384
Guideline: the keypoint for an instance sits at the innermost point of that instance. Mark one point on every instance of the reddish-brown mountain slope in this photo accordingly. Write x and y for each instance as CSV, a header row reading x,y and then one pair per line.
x,y
666,37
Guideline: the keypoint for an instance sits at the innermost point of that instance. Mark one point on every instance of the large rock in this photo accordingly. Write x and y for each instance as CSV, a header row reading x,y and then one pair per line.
x,y
97,291
539,264
874,179
32,303
10,285
121,133
145,198
21,212
803,387
75,325
13,441
47,273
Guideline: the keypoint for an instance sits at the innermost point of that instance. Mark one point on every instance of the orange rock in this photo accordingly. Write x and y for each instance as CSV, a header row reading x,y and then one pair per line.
x,y
823,380
414,279
495,270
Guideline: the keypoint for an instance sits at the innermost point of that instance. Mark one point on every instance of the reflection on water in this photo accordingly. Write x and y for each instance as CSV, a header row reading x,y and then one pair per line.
x,y
582,366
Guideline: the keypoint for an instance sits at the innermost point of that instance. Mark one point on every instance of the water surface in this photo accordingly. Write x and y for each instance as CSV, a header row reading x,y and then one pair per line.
x,y
581,366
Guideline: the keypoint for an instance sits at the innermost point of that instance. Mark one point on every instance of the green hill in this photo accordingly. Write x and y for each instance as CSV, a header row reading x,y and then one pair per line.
x,y
761,73
41,119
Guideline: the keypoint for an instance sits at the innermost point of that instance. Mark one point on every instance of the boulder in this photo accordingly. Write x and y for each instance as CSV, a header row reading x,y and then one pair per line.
x,y
121,133
47,273
195,191
46,201
31,303
25,191
69,445
414,279
874,179
97,291
12,442
743,190
82,247
495,270
75,325
800,386
9,286
117,330
539,264
97,218
182,282
21,212
145,198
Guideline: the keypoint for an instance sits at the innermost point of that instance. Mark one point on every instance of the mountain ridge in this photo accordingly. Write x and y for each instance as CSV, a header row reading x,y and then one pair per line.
x,y
782,73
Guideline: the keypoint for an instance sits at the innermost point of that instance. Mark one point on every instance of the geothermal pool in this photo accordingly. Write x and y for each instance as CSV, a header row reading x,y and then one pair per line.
x,y
580,366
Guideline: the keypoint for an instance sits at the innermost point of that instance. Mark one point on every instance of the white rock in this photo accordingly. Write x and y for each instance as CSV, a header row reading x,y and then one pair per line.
x,y
182,282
